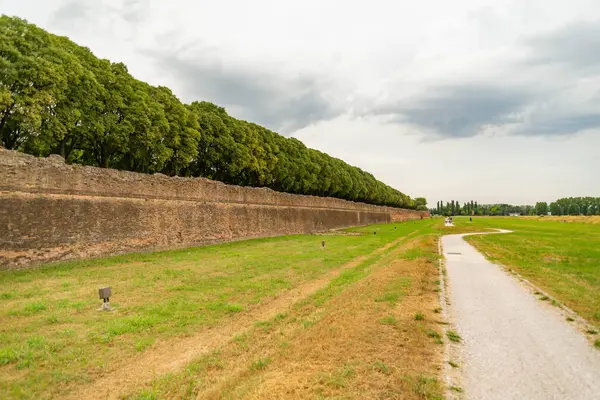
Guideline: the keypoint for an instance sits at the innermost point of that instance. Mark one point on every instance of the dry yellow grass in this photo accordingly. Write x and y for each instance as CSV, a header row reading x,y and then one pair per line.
x,y
361,341
175,354
584,219
363,348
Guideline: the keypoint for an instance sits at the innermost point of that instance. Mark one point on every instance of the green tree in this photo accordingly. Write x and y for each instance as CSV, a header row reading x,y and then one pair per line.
x,y
555,209
29,80
421,203
183,132
541,208
574,209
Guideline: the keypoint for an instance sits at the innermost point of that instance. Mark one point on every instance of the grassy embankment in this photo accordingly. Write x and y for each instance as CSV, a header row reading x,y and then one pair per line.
x,y
339,321
561,255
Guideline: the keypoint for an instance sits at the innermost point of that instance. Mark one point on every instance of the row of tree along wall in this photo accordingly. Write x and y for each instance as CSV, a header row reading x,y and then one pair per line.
x,y
57,97
52,211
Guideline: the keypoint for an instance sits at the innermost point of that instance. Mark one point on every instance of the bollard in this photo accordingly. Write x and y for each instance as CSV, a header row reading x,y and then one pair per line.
x,y
105,293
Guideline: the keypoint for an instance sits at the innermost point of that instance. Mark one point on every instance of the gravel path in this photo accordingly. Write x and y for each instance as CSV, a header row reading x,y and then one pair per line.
x,y
514,345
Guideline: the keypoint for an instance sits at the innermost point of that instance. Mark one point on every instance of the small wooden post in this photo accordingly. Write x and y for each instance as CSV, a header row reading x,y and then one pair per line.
x,y
105,293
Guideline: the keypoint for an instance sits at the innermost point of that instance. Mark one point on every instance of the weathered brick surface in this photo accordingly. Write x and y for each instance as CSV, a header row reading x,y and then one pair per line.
x,y
52,211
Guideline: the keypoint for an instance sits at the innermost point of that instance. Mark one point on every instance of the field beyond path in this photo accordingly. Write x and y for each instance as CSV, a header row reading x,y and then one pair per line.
x,y
515,346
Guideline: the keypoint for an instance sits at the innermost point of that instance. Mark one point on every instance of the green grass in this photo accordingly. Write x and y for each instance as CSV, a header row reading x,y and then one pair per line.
x,y
456,389
394,290
53,337
453,336
427,387
433,334
260,364
389,320
381,367
304,318
339,378
561,258
419,316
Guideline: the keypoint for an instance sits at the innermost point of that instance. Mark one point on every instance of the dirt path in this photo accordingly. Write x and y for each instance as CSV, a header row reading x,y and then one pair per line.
x,y
173,355
515,346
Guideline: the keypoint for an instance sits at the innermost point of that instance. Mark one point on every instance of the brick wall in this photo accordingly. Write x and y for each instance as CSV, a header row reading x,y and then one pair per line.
x,y
51,211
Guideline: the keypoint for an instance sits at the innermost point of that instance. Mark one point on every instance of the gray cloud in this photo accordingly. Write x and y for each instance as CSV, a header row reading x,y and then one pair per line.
x,y
276,101
543,94
134,11
461,110
574,46
72,13
514,94
81,14
552,125
469,109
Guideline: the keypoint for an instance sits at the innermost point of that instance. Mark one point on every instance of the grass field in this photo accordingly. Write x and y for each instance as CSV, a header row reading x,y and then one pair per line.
x,y
561,255
278,318
254,313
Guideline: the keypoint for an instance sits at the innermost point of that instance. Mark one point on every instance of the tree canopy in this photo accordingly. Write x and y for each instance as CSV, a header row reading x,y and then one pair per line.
x,y
57,98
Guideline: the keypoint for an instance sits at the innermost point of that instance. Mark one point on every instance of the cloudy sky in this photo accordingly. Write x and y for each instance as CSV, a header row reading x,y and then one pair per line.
x,y
495,101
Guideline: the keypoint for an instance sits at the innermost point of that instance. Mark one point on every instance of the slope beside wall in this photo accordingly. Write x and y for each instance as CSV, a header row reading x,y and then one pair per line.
x,y
52,211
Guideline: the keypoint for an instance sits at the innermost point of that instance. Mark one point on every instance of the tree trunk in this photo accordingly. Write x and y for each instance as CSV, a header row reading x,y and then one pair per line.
x,y
61,148
6,136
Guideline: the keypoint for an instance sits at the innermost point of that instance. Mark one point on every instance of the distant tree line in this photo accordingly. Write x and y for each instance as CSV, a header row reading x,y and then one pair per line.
x,y
57,97
575,206
565,206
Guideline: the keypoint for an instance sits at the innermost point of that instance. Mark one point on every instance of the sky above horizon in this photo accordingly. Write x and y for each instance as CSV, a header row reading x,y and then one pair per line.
x,y
494,101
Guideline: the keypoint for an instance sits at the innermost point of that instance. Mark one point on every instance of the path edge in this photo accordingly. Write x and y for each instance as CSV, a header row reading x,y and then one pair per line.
x,y
452,376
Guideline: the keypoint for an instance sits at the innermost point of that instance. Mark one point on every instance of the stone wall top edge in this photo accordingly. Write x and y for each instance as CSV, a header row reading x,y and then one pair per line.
x,y
26,172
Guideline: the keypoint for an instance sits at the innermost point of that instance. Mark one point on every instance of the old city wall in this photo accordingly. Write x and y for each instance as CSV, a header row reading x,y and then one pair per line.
x,y
52,211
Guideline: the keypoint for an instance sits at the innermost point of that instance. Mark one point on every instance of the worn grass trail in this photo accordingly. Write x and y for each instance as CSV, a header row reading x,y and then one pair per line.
x,y
175,354
356,338
55,342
